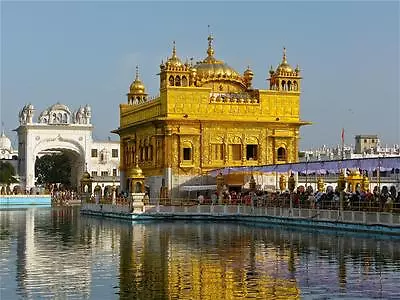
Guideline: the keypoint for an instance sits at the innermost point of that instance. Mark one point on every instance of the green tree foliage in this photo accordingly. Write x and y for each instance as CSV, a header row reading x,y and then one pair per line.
x,y
7,173
55,168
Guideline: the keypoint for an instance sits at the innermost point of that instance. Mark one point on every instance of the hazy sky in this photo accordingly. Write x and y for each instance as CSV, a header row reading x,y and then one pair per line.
x,y
80,53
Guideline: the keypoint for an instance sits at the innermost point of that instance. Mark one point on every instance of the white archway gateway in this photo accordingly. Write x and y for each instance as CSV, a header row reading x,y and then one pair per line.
x,y
57,130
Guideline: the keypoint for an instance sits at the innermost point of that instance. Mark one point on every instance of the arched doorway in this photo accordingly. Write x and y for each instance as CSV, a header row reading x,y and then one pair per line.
x,y
58,167
70,149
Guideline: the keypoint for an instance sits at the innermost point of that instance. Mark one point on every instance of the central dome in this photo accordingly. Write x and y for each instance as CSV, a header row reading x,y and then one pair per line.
x,y
212,68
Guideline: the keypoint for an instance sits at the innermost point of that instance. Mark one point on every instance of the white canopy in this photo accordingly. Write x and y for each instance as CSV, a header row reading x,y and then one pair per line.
x,y
190,188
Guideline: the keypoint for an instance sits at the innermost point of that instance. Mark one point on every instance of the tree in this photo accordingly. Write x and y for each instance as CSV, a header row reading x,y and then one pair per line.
x,y
55,168
7,173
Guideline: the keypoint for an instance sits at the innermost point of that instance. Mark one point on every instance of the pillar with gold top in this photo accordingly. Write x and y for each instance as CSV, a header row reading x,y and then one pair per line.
x,y
136,187
365,183
252,184
282,183
220,186
341,184
86,187
291,186
320,184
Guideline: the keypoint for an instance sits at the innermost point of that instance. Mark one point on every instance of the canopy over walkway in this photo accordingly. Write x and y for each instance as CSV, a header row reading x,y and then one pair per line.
x,y
321,167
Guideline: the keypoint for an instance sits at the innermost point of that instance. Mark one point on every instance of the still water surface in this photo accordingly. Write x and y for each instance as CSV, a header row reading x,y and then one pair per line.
x,y
59,254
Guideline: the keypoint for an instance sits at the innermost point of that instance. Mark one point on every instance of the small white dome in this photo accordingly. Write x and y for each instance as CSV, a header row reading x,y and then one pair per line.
x,y
5,142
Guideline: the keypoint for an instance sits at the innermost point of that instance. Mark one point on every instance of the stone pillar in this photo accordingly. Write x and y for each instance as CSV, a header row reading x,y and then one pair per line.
x,y
220,187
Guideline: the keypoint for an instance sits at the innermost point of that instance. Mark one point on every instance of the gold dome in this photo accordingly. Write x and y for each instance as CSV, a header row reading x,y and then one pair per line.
x,y
136,171
137,87
174,60
284,66
210,67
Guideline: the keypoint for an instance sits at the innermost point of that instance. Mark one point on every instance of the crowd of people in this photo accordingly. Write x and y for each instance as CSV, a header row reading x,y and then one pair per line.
x,y
380,200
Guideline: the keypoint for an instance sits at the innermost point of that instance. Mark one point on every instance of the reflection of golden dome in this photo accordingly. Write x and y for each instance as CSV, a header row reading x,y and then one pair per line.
x,y
210,67
137,87
174,60
284,66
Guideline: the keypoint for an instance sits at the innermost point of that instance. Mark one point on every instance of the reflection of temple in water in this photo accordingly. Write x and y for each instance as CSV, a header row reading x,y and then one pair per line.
x,y
227,261
66,255
160,260
39,267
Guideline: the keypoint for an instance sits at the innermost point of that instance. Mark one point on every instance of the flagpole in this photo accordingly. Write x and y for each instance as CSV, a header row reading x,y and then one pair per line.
x,y
342,143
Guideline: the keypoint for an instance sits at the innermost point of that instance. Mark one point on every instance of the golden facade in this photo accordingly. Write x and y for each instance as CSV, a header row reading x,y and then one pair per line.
x,y
209,116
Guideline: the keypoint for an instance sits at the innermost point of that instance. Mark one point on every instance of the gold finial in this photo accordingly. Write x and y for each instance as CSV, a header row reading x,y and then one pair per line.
x,y
284,56
210,50
174,50
137,72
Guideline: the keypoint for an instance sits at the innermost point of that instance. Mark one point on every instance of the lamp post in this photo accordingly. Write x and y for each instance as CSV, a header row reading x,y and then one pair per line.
x,y
291,186
341,186
220,187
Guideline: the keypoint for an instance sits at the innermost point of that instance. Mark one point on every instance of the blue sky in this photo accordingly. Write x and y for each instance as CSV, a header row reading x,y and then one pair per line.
x,y
85,53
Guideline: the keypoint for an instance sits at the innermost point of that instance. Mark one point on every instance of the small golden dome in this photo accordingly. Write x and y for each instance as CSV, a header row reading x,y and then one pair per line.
x,y
284,66
248,74
136,171
174,60
137,87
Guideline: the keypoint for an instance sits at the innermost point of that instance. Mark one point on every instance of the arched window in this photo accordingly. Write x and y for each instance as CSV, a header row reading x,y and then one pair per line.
x,y
171,80
184,81
281,154
283,85
295,85
177,81
289,85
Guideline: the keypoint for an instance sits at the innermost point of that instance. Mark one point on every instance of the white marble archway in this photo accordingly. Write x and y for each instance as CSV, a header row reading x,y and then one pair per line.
x,y
70,147
57,129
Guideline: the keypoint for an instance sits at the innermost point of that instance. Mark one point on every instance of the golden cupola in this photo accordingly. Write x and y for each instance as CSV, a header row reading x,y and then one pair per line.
x,y
212,69
173,71
284,78
284,67
248,76
174,60
137,92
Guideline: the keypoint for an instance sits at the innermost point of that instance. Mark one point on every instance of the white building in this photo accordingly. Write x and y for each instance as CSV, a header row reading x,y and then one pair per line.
x,y
59,130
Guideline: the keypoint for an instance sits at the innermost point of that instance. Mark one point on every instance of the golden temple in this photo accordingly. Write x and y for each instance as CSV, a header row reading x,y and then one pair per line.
x,y
208,116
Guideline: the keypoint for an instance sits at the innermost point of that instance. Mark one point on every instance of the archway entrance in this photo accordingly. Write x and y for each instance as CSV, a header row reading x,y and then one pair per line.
x,y
58,167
